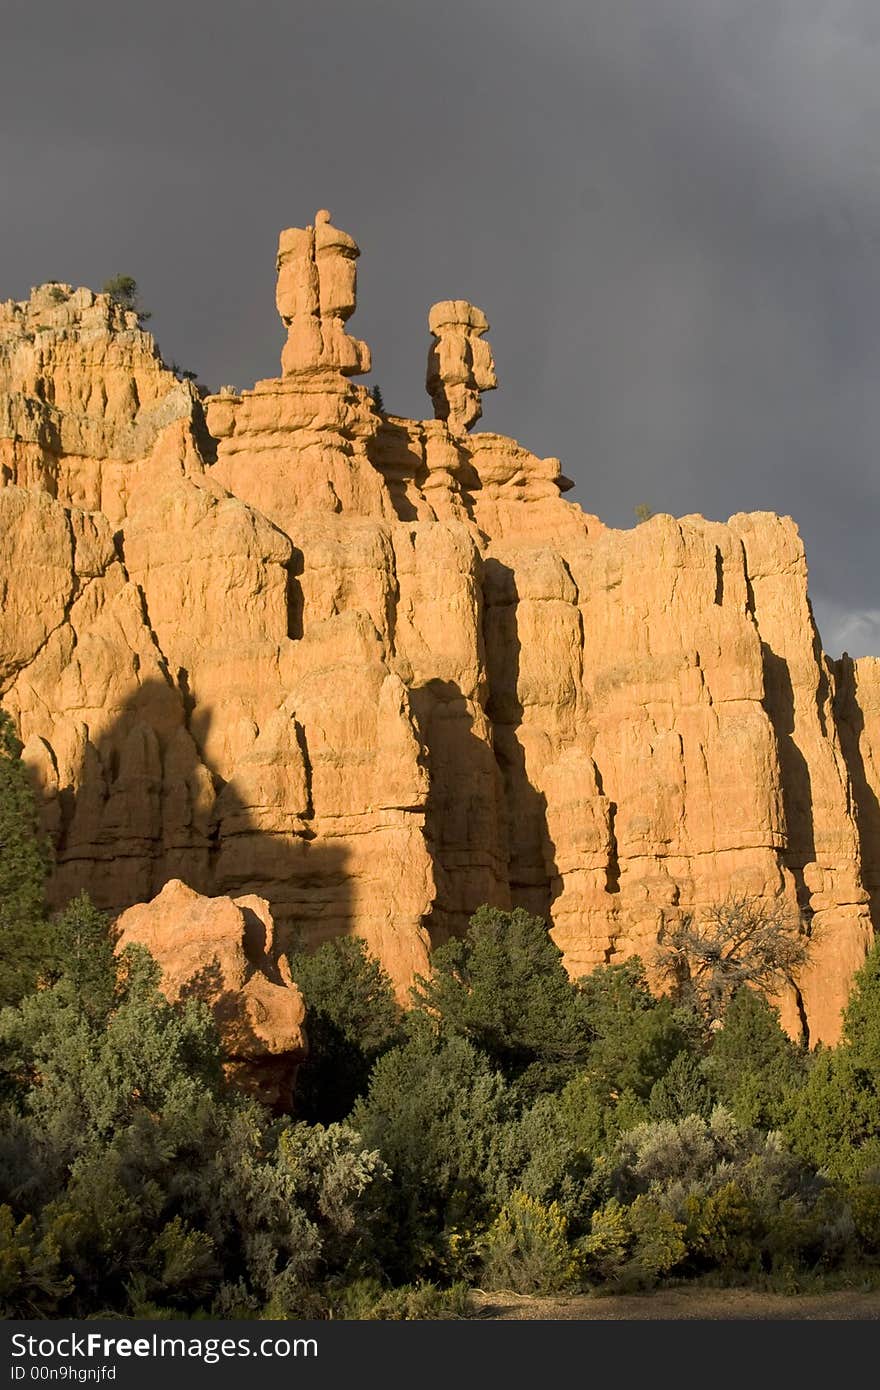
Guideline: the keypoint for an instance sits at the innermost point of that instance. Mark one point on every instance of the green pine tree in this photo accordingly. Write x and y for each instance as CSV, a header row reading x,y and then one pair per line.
x,y
124,291
436,1110
835,1117
753,1064
682,1090
504,988
353,1018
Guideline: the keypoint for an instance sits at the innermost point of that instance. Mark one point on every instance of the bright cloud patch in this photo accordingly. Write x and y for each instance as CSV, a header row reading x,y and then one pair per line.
x,y
855,631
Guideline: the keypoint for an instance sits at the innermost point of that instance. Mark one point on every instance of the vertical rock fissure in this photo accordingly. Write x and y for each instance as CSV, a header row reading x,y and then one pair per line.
x,y
300,733
294,595
796,783
719,577
612,872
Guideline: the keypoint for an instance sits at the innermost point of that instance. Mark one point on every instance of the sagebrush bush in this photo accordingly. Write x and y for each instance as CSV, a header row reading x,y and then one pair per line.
x,y
864,1203
527,1249
633,1246
366,1300
722,1228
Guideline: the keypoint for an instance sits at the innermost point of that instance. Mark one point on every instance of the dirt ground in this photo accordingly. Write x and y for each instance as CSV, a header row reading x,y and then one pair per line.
x,y
676,1304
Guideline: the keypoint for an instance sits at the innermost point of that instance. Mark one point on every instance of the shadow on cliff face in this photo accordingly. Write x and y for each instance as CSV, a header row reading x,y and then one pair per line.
x,y
851,726
146,808
295,597
390,451
531,864
797,791
464,826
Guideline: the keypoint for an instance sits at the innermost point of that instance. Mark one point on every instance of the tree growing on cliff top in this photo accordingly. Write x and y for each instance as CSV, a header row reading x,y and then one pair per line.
x,y
741,941
124,291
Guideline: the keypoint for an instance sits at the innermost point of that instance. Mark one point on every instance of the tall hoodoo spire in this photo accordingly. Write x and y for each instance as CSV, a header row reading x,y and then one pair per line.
x,y
460,363
316,294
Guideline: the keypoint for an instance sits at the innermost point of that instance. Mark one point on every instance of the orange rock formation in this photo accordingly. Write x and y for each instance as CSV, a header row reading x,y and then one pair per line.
x,y
378,671
224,952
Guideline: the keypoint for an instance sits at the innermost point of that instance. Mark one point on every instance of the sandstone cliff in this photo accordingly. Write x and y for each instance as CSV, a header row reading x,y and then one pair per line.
x,y
379,671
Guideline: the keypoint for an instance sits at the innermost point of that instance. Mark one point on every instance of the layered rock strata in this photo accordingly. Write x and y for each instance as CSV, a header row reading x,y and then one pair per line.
x,y
378,671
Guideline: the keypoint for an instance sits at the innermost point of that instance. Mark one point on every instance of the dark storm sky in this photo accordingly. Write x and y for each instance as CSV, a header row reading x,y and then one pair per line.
x,y
669,210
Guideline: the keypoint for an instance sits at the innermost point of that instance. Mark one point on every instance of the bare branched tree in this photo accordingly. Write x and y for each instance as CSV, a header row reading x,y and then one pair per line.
x,y
744,940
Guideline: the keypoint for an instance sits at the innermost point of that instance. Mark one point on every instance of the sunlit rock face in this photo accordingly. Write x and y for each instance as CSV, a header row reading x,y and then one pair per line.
x,y
378,671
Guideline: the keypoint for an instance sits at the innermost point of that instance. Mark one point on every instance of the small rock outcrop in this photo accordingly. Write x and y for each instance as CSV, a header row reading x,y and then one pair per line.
x,y
223,951
378,671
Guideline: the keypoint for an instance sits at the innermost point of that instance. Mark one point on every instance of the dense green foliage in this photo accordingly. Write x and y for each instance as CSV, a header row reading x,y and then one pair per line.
x,y
505,989
353,1018
134,1180
634,1036
514,1128
753,1065
434,1111
835,1119
24,861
